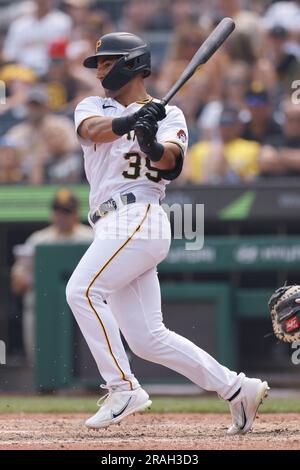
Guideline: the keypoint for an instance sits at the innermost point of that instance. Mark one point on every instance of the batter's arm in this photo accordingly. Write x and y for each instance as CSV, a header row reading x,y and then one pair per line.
x,y
169,158
103,129
170,165
97,129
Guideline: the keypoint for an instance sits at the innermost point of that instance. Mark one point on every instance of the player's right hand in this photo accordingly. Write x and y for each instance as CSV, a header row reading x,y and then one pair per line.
x,y
157,110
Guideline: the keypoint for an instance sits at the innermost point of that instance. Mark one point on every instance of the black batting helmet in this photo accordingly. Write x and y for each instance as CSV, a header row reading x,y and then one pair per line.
x,y
134,58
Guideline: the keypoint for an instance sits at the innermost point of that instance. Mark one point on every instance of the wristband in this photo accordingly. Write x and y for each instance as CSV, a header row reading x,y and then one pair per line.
x,y
123,125
154,151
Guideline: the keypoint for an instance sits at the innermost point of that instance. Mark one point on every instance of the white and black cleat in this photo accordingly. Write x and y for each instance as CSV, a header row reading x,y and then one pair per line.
x,y
244,406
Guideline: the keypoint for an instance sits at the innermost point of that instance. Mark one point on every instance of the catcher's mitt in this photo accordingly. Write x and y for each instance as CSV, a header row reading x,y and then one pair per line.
x,y
285,313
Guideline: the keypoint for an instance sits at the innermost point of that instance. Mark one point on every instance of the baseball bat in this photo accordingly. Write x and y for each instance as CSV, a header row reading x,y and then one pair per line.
x,y
205,51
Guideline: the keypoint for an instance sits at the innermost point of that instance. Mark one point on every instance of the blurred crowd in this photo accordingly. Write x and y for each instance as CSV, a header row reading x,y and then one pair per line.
x,y
242,108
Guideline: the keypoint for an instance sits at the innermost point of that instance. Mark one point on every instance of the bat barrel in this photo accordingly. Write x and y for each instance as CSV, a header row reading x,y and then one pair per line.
x,y
207,49
217,38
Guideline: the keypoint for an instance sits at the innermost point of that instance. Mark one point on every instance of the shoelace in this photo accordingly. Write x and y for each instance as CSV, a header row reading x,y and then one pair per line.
x,y
106,398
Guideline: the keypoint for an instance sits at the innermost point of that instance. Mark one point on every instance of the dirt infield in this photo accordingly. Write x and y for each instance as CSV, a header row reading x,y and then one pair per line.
x,y
148,431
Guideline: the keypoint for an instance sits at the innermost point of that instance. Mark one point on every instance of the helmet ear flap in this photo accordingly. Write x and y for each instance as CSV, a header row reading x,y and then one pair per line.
x,y
130,64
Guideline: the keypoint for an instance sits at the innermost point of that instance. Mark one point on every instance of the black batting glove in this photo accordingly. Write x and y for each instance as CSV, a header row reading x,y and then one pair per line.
x,y
123,125
157,110
145,130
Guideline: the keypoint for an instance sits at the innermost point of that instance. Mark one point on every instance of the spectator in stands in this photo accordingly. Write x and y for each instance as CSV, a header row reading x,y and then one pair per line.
x,y
247,21
2,39
259,6
248,49
88,22
10,168
234,86
248,37
230,8
87,83
137,15
18,80
11,11
29,134
98,23
283,57
262,126
283,157
161,19
184,12
227,157
64,228
63,87
186,42
63,162
194,96
285,14
78,11
240,47
28,38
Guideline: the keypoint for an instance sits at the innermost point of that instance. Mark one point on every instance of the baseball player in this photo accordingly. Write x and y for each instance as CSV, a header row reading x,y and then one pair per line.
x,y
133,147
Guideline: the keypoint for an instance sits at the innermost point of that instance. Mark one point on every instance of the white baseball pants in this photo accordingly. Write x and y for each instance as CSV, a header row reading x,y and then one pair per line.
x,y
115,288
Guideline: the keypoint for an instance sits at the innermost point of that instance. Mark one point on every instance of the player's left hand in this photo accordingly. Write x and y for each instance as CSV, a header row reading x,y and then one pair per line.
x,y
145,130
157,110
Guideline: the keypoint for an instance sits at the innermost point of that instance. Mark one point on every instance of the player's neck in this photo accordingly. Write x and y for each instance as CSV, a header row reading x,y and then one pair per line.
x,y
135,92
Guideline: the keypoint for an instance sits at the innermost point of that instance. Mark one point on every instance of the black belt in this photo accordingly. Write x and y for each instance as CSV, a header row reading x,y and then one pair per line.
x,y
111,205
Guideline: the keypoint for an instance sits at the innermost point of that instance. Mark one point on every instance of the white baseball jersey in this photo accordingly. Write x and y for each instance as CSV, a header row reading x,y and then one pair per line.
x,y
120,166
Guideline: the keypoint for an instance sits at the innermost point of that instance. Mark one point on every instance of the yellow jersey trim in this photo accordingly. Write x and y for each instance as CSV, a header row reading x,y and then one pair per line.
x,y
148,100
